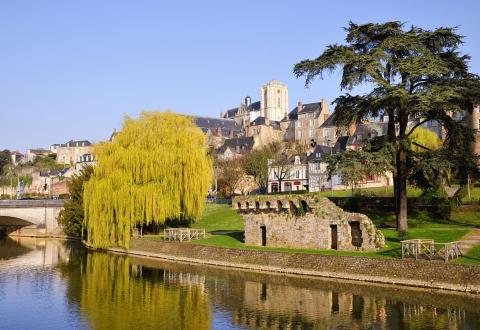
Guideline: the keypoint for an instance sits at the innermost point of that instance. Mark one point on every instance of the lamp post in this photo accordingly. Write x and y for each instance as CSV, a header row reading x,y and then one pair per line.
x,y
331,179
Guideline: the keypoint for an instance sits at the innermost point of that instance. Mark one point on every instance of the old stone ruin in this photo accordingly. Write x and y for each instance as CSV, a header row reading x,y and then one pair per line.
x,y
305,221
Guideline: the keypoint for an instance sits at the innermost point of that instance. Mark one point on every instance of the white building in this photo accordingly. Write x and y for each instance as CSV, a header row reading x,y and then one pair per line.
x,y
291,175
70,152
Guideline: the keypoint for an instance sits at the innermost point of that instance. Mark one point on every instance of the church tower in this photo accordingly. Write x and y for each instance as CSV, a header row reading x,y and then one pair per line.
x,y
274,100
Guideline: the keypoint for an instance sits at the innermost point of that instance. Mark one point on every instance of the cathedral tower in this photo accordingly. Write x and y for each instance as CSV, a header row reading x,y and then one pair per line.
x,y
274,100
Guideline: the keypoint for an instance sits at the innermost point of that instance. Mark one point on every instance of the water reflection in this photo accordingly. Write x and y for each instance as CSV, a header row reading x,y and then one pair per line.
x,y
105,291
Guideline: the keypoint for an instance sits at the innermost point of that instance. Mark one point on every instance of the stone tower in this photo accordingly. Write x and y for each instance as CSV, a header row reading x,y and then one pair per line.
x,y
274,100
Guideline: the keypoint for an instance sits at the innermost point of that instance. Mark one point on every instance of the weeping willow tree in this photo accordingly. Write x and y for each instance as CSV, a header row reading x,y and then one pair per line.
x,y
156,168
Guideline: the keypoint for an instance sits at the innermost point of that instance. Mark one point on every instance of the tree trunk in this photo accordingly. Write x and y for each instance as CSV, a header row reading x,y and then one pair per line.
x,y
401,190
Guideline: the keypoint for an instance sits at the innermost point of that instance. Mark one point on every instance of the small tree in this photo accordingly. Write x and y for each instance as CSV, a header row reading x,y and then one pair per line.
x,y
230,174
4,160
256,164
353,166
279,168
71,217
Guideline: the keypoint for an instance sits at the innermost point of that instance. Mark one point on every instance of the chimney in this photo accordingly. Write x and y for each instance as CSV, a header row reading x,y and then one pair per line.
x,y
219,131
300,106
267,121
351,129
230,133
248,101
325,105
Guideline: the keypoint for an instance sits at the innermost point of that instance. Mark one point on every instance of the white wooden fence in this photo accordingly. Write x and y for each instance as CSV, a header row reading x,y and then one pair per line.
x,y
428,249
183,234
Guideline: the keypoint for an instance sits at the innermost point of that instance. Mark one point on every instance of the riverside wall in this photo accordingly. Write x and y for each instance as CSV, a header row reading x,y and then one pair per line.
x,y
410,273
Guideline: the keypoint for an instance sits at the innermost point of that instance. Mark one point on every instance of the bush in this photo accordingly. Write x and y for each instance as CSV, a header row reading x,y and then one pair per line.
x,y
71,217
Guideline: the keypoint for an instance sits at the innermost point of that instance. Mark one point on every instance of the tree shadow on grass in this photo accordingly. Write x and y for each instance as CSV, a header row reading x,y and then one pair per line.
x,y
236,234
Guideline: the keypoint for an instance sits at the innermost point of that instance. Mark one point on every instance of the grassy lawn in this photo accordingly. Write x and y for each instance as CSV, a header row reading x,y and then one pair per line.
x,y
474,195
467,216
225,229
379,191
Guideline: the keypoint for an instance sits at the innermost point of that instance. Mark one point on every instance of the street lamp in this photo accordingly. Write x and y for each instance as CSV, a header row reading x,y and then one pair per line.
x,y
331,153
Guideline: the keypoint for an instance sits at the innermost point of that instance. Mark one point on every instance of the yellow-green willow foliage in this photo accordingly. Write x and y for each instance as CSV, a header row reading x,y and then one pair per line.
x,y
115,295
156,168
426,138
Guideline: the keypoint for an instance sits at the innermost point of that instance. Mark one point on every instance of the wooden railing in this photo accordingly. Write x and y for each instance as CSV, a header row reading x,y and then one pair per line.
x,y
428,249
183,234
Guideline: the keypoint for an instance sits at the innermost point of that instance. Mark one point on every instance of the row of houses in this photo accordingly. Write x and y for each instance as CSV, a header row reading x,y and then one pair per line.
x,y
253,125
73,153
308,172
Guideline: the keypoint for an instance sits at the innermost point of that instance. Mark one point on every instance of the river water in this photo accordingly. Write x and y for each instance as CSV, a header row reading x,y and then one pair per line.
x,y
52,284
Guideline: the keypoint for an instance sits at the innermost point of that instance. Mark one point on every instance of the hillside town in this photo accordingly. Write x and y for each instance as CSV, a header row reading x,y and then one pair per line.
x,y
307,135
233,165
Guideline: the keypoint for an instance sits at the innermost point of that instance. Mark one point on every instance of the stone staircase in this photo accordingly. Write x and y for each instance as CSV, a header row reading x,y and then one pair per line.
x,y
470,240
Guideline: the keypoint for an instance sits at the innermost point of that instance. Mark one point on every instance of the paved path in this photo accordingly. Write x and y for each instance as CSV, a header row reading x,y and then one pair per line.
x,y
470,240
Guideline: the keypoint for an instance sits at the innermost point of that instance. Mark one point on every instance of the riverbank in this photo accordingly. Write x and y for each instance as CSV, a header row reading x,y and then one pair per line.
x,y
410,273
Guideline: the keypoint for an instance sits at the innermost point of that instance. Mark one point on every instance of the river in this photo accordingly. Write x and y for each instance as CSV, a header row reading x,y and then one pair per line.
x,y
53,284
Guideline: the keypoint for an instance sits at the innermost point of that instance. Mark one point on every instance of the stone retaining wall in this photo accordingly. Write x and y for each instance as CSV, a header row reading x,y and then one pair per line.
x,y
413,273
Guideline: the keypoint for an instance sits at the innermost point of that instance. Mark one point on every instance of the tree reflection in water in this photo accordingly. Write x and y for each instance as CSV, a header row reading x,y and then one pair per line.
x,y
117,292
114,294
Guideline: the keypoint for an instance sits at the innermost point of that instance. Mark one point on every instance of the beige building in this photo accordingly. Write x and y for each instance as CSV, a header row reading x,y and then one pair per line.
x,y
31,154
303,123
70,152
264,131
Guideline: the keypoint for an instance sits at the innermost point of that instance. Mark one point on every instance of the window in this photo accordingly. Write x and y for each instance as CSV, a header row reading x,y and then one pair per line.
x,y
325,133
297,174
317,166
311,132
310,122
299,123
299,134
278,103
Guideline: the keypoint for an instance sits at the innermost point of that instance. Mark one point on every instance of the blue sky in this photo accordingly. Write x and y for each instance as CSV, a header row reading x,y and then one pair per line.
x,y
73,69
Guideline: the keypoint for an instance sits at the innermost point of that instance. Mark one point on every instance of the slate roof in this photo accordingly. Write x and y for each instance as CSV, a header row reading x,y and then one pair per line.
x,y
72,143
55,173
306,108
39,151
245,144
329,122
321,150
255,106
261,121
367,131
207,123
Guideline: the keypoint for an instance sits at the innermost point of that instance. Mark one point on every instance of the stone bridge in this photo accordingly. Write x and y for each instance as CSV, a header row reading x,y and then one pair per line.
x,y
30,217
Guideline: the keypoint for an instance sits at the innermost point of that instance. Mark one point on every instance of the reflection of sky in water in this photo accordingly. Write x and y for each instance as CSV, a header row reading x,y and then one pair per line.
x,y
54,285
222,319
32,292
